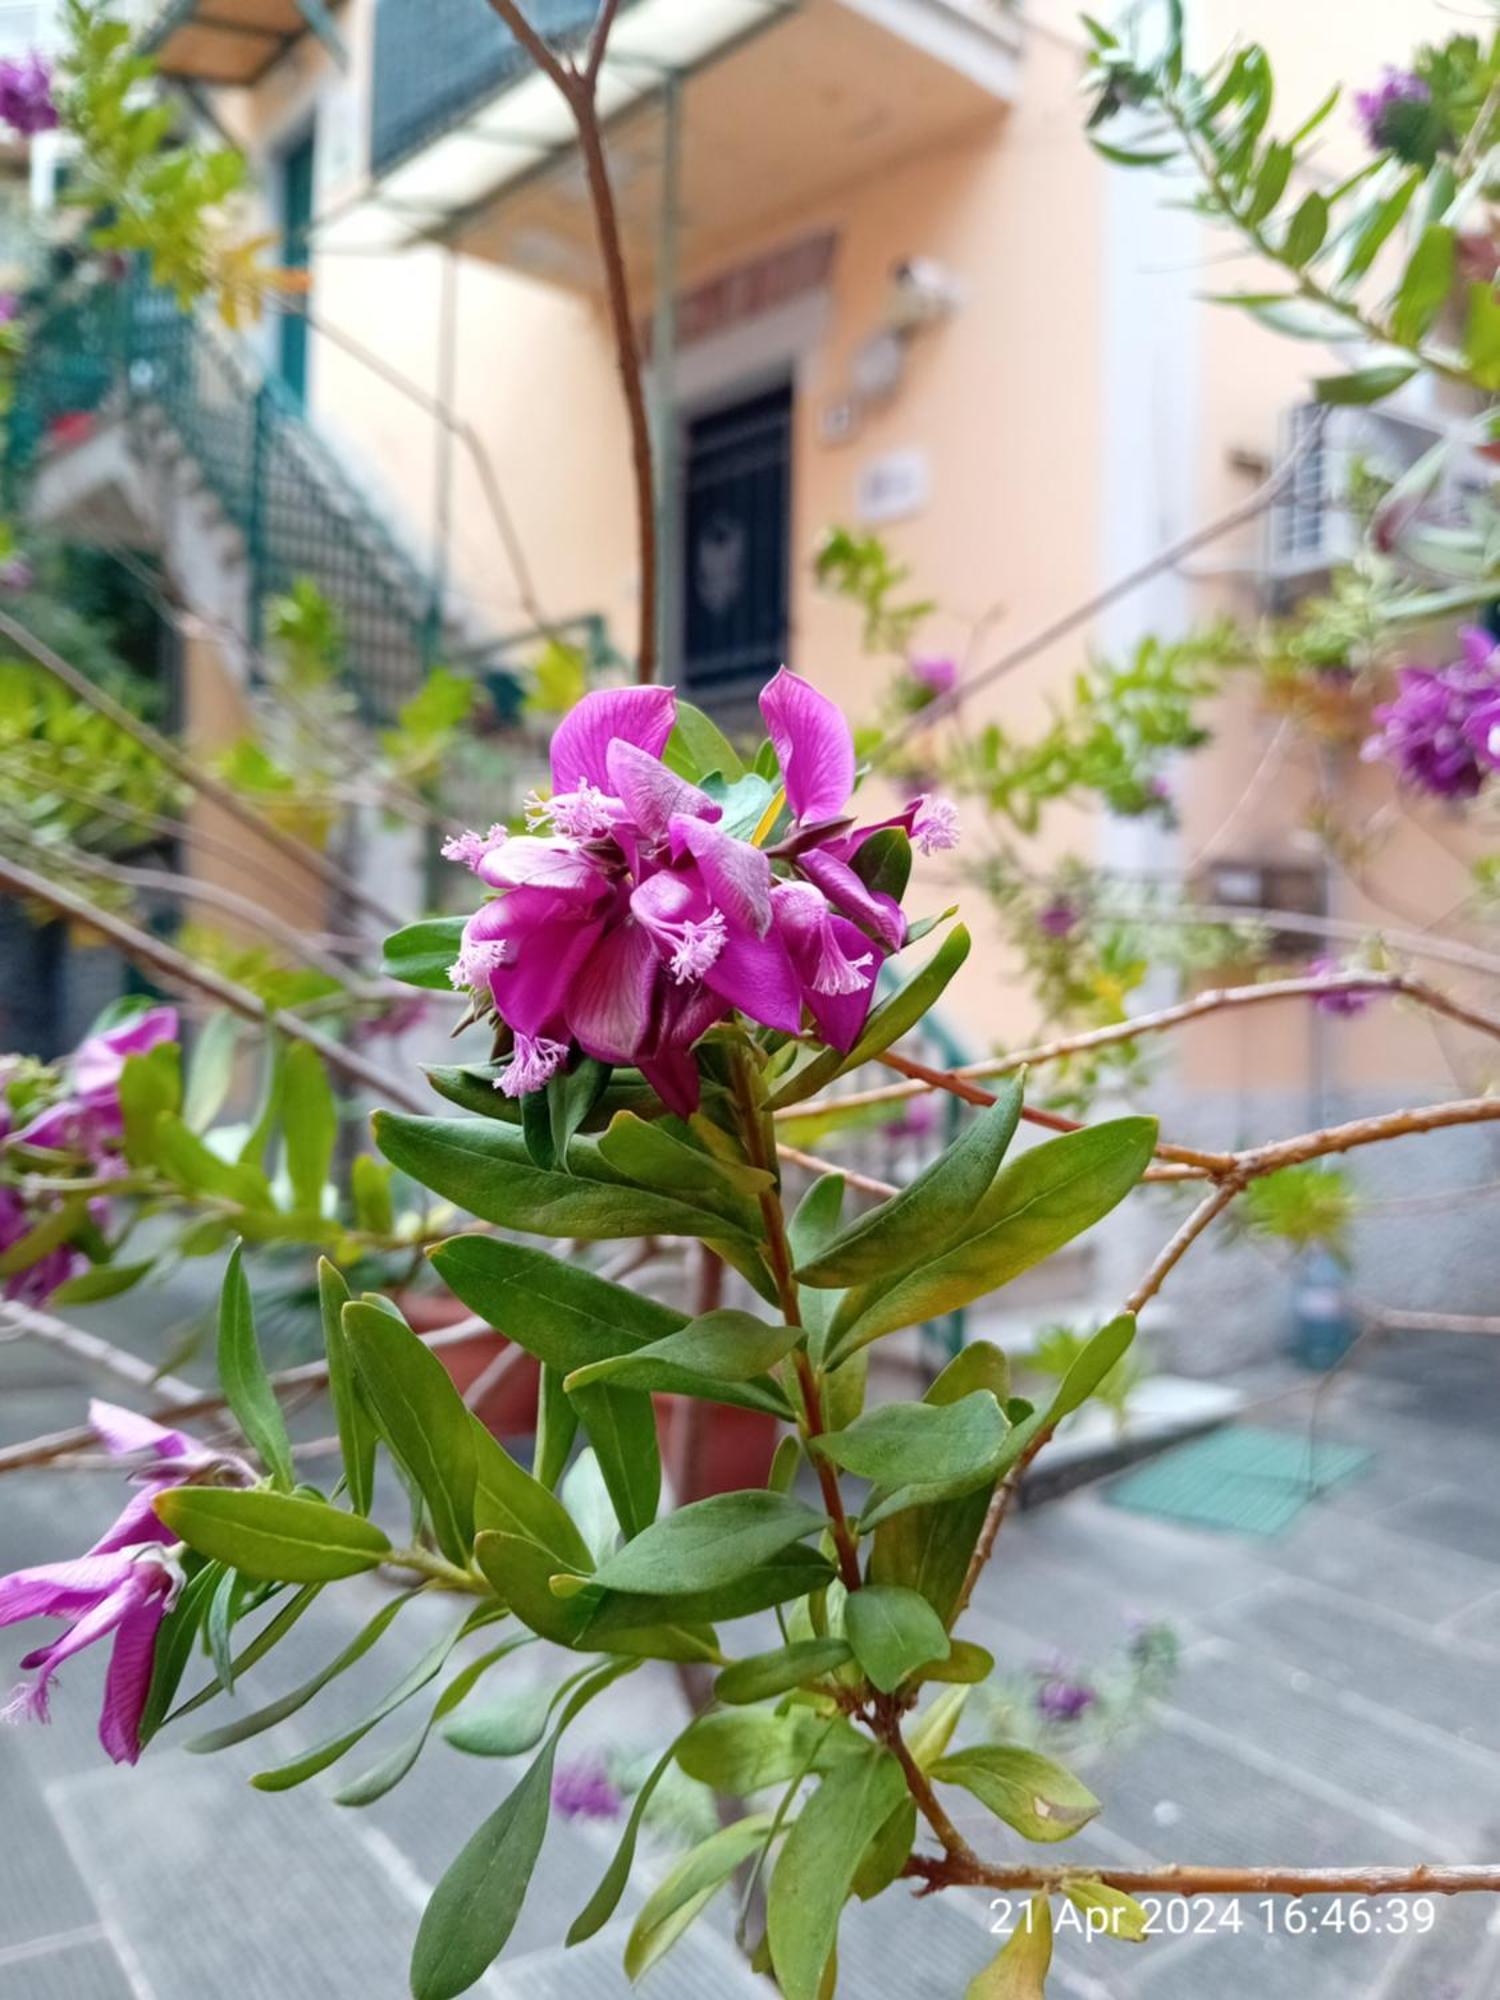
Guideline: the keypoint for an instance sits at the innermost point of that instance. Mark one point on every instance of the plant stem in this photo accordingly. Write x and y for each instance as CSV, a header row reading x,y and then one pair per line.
x,y
438,1568
1183,1879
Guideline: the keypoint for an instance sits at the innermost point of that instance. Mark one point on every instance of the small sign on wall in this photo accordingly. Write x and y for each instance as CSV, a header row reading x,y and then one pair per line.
x,y
893,487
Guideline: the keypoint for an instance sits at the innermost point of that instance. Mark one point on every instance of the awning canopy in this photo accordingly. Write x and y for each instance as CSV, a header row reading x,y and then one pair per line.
x,y
233,42
784,101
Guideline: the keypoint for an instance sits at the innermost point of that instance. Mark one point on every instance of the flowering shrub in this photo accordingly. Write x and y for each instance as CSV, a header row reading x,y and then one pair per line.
x,y
681,946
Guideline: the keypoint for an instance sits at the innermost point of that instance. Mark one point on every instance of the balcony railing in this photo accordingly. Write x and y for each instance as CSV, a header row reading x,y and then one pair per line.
x,y
436,60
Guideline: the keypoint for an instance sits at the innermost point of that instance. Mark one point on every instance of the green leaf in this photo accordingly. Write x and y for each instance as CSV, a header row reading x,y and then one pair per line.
x,y
1125,156
812,1227
718,1357
765,1674
883,862
1425,284
815,1870
893,1632
966,1665
556,1427
211,1070
243,1377
1103,1352
1270,183
709,1542
421,954
1306,230
1020,1972
751,1749
196,1168
244,1727
475,1906
1035,1205
149,1084
508,1727
266,1639
687,1889
507,1498
1109,1912
883,1859
309,1763
929,1214
927,1547
273,1536
175,1640
521,1574
645,1152
357,1437
929,1736
1482,336
956,1445
218,1626
697,748
310,1127
566,1316
421,1417
1364,385
605,1900
795,1572
571,1096
1028,1791
104,1281
370,1185
1377,228
397,1763
485,1168
621,1426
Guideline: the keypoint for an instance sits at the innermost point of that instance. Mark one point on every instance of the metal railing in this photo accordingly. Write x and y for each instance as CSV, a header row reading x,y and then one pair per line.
x,y
131,347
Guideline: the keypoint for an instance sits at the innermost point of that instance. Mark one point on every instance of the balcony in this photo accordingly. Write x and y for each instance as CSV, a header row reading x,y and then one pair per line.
x,y
783,100
232,42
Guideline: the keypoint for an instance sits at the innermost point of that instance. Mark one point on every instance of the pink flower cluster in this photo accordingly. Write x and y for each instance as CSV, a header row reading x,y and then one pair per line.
x,y
1442,731
631,919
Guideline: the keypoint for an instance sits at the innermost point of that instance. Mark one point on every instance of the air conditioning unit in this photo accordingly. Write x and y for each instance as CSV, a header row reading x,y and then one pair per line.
x,y
1312,527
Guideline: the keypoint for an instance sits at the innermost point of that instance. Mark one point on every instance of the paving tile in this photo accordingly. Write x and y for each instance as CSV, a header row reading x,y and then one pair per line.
x,y
1454,1518
86,1970
1405,1669
1424,1577
42,1893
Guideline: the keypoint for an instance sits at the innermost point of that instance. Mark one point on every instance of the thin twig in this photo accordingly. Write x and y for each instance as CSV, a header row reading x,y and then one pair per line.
x,y
153,955
1172,1253
26,1322
1185,1879
190,771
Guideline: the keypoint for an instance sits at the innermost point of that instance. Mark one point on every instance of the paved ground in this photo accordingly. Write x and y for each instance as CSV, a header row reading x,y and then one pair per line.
x,y
1336,1702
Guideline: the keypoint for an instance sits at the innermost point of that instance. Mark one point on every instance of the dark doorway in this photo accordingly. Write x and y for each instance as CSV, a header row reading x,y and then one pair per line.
x,y
296,219
737,491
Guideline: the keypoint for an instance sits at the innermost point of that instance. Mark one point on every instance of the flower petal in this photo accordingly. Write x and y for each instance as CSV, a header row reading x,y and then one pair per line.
x,y
736,875
128,1682
880,915
529,863
59,1590
652,794
139,1522
757,976
123,1432
609,1002
99,1059
814,745
644,716
531,992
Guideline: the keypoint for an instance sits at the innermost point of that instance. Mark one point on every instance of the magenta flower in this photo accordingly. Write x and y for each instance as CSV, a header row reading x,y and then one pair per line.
x,y
88,1119
1379,109
1440,731
1058,919
26,95
934,672
584,1791
1348,1001
36,1284
629,919
123,1587
1059,1699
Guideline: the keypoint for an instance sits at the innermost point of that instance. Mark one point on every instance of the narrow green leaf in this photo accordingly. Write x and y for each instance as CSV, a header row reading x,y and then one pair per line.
x,y
1020,1972
883,1859
893,1632
244,1727
605,1900
1028,1791
922,1444
718,1357
243,1377
1270,183
929,1214
104,1281
1306,230
1103,1352
566,1316
507,1498
218,1626
421,954
815,1870
1109,1912
765,1674
370,1185
399,1762
421,1416
1378,227
812,1227
273,1536
709,1542
621,1427
687,1889
796,1572
309,1126
1482,336
751,1749
697,748
651,1156
485,1168
210,1070
571,1096
1425,283
285,1777
1034,1205
357,1437
266,1639
475,1906
149,1084
929,1736
1364,385
197,1169
175,1640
